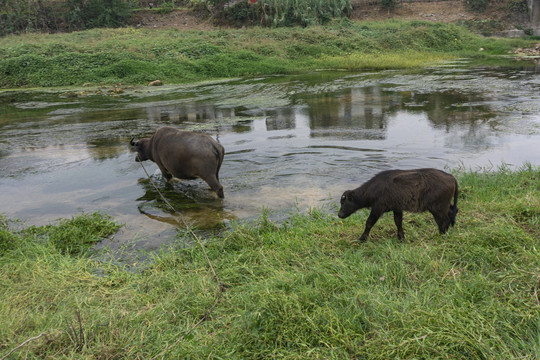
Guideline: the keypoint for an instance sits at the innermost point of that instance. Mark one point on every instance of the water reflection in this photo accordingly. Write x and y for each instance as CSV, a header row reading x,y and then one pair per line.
x,y
291,142
196,113
357,107
281,119
107,148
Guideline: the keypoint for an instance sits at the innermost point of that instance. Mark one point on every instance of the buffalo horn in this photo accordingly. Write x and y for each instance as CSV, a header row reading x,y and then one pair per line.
x,y
132,143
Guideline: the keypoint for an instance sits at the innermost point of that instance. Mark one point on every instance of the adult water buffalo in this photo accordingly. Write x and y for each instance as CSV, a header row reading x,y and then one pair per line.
x,y
184,155
398,190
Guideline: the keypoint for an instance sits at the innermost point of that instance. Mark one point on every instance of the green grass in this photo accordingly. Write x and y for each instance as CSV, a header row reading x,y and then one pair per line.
x,y
137,56
300,289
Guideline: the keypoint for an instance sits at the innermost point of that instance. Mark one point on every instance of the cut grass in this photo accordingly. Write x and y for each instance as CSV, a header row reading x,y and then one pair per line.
x,y
301,289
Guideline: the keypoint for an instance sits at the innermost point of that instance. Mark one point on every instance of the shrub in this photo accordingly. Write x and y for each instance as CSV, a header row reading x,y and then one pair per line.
x,y
389,4
86,14
165,8
59,15
23,16
289,12
518,6
477,5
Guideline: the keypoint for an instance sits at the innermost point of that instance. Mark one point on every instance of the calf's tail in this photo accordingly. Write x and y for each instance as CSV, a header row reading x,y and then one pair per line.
x,y
454,208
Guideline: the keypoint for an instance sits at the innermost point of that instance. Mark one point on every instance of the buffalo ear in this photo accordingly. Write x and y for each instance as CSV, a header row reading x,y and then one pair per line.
x,y
350,196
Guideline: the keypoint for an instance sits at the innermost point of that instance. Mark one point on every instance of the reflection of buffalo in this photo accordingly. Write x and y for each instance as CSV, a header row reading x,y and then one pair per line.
x,y
184,155
397,190
192,205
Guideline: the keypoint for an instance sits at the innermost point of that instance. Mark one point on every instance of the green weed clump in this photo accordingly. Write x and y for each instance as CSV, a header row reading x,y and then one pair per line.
x,y
8,240
299,289
73,236
138,56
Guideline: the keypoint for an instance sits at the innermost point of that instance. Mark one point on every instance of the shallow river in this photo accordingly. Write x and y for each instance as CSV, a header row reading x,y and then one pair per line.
x,y
292,142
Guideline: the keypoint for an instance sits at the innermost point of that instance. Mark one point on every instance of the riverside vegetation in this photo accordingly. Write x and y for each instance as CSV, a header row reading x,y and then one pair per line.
x,y
131,56
299,289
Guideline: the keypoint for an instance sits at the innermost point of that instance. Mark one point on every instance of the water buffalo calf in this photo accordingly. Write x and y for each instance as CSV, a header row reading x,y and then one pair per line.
x,y
184,155
398,190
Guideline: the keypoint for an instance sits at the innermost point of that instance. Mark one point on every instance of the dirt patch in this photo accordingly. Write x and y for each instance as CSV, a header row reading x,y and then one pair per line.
x,y
442,11
179,19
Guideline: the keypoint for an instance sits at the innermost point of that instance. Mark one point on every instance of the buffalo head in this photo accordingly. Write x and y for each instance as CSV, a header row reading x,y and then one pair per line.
x,y
141,147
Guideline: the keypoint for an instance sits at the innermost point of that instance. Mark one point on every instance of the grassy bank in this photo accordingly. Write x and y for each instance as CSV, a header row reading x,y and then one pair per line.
x,y
137,56
302,289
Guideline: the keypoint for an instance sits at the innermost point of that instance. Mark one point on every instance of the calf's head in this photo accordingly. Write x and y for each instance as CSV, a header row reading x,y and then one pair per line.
x,y
349,204
142,149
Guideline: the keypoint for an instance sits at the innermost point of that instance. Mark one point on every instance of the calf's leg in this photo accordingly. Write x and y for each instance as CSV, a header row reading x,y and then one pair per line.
x,y
442,220
398,219
374,215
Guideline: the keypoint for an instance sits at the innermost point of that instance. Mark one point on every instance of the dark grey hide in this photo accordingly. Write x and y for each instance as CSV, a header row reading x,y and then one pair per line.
x,y
184,155
415,190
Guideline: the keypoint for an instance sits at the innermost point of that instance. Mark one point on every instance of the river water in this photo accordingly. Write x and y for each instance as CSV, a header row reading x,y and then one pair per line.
x,y
292,142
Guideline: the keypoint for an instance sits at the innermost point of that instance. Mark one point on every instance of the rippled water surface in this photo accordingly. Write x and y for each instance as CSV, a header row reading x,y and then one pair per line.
x,y
291,141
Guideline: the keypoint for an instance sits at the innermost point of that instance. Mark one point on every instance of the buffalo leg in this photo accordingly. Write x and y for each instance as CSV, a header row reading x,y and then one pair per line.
x,y
216,186
374,215
398,219
165,173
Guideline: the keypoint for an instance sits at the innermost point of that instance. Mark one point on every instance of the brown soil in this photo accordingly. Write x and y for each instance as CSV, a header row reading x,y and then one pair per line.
x,y
181,19
442,11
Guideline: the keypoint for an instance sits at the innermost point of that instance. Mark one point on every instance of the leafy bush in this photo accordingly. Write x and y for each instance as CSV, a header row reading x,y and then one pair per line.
x,y
289,12
86,14
477,5
19,16
60,15
389,4
165,8
518,6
